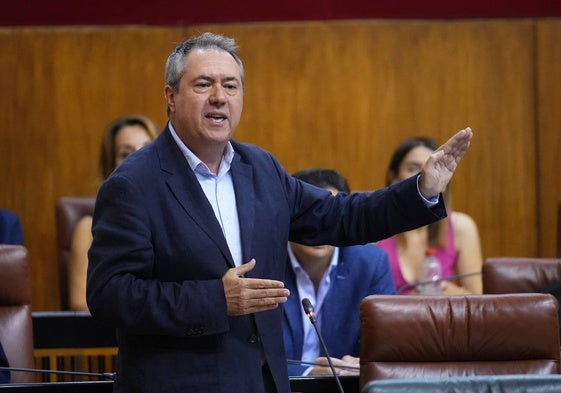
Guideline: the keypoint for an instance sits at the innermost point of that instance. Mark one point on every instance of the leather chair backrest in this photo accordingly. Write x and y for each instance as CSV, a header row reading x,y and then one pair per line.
x,y
69,210
443,336
519,274
16,326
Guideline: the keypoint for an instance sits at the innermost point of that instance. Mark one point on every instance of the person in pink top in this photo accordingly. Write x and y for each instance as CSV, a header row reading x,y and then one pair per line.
x,y
456,237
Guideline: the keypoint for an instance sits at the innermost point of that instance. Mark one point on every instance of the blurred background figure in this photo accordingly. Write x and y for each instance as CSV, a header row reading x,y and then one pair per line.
x,y
123,137
335,279
10,233
10,228
4,374
455,238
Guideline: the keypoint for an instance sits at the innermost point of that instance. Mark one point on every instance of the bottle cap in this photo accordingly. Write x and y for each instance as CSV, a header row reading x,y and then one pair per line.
x,y
430,251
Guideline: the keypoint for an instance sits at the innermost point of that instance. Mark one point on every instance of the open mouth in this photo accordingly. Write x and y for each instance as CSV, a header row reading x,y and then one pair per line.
x,y
216,118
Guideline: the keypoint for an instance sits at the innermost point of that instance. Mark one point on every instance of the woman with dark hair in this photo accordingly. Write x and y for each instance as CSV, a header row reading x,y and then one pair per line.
x,y
455,238
123,137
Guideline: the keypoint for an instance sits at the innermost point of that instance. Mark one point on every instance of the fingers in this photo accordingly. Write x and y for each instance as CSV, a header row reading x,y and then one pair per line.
x,y
249,295
348,365
243,269
458,144
439,168
351,360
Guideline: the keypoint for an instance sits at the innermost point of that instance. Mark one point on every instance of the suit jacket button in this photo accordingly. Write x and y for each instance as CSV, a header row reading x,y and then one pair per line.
x,y
253,339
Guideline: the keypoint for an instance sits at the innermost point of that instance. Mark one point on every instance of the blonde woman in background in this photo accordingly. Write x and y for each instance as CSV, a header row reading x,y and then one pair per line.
x,y
455,238
123,137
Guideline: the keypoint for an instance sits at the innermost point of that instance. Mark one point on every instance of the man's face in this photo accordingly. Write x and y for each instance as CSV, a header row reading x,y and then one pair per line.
x,y
308,253
207,107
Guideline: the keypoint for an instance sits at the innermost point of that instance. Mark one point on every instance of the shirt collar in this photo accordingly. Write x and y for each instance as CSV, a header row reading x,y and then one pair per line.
x,y
195,162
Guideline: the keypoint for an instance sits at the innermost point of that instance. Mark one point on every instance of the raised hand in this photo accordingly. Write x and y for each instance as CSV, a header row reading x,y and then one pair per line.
x,y
439,168
249,295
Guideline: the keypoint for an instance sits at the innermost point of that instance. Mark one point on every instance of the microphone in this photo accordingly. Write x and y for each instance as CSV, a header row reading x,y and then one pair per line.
x,y
309,310
110,376
450,278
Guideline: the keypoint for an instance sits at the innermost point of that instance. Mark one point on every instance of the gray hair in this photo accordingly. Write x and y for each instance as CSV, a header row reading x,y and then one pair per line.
x,y
175,64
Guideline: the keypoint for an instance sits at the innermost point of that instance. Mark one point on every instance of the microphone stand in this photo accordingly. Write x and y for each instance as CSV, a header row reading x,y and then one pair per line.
x,y
309,310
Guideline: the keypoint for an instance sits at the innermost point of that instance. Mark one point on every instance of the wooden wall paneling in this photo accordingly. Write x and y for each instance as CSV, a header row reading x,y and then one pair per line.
x,y
343,94
26,151
548,77
67,85
333,94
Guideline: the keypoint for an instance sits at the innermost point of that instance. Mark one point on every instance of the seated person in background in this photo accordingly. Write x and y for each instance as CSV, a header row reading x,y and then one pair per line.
x,y
555,290
335,279
4,374
10,228
123,137
455,238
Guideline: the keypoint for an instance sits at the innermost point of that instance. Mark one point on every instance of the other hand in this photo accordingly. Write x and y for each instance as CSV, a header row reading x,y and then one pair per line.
x,y
249,295
348,365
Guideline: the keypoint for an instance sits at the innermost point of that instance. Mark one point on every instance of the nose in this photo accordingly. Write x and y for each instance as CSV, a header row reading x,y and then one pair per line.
x,y
217,95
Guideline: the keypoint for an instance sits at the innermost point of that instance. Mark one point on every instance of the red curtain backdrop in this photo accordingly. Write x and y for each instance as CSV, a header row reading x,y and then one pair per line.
x,y
168,12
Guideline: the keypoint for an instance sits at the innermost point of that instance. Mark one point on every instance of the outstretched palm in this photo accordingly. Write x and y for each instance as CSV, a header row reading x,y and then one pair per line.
x,y
439,168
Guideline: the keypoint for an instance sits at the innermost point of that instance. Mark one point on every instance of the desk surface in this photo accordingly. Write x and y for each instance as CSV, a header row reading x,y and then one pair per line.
x,y
73,329
297,384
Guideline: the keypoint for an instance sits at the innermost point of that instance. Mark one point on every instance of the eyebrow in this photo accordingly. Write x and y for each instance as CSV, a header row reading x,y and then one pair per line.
x,y
211,79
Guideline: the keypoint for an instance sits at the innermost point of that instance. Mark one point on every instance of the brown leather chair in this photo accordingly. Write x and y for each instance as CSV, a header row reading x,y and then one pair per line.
x,y
16,326
519,274
69,210
444,336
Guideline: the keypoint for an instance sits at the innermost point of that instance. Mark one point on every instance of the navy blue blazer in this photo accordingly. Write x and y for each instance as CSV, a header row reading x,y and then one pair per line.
x,y
361,271
10,228
158,256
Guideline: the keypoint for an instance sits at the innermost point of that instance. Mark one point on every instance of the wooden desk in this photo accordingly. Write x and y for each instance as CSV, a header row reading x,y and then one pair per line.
x,y
297,384
72,341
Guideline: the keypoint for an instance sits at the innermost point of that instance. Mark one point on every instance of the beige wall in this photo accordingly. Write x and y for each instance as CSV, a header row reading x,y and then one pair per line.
x,y
330,94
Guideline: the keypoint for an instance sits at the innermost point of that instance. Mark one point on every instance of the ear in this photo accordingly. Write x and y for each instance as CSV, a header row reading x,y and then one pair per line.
x,y
169,94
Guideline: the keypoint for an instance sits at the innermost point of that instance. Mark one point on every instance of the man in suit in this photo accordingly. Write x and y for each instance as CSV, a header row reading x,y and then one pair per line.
x,y
10,228
190,234
335,280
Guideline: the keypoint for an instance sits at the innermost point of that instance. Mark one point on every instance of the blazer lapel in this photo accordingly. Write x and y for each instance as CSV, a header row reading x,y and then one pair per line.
x,y
338,298
186,189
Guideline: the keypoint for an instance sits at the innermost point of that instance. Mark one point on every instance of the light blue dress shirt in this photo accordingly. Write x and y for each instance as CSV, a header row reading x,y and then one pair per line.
x,y
219,190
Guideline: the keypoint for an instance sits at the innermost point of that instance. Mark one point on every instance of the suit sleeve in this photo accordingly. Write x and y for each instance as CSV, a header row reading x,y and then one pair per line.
x,y
12,232
358,218
122,287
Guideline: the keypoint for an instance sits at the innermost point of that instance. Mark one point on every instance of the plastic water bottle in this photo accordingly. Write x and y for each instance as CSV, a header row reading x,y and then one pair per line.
x,y
431,271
